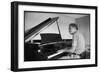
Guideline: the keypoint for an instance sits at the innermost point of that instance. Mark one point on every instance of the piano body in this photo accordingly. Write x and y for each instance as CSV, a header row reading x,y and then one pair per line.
x,y
46,48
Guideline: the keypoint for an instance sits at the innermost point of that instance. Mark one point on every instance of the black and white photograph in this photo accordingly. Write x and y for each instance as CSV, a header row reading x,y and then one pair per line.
x,y
52,36
56,36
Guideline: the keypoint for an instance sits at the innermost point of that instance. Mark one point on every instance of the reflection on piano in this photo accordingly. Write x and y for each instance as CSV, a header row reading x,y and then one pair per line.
x,y
46,48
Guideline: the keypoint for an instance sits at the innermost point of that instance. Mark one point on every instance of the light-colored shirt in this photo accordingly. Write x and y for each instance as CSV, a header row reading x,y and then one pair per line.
x,y
78,43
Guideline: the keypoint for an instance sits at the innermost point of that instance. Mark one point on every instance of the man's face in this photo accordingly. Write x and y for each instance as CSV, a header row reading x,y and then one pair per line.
x,y
72,30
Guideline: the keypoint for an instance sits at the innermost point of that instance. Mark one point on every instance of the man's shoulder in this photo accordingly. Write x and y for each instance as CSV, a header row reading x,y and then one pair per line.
x,y
78,35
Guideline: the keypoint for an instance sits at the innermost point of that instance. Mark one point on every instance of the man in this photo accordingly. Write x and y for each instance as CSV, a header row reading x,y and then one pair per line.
x,y
78,43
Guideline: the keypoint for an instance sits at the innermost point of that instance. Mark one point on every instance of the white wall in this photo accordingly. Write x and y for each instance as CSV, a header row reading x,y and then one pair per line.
x,y
5,17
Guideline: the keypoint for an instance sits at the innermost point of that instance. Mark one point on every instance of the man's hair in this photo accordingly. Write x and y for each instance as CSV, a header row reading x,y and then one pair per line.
x,y
73,25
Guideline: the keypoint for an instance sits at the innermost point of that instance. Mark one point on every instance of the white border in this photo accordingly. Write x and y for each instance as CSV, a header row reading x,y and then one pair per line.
x,y
34,64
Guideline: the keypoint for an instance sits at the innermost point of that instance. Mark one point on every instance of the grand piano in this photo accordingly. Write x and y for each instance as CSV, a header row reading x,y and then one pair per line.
x,y
47,47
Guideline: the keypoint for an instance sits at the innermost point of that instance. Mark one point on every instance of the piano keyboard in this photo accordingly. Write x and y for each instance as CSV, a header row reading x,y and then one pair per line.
x,y
53,55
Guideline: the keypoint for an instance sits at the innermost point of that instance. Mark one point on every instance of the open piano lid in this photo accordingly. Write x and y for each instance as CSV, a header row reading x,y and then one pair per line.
x,y
37,29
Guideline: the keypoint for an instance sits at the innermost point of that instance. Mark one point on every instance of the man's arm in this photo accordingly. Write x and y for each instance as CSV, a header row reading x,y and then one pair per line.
x,y
74,44
72,49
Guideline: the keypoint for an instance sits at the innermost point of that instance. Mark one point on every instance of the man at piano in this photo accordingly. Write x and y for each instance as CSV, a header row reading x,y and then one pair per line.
x,y
78,43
